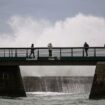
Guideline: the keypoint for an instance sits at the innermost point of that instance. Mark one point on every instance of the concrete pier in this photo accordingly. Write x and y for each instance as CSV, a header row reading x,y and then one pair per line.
x,y
11,84
98,86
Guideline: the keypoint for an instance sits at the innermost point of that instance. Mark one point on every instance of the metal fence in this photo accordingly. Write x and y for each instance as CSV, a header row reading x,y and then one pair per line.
x,y
56,52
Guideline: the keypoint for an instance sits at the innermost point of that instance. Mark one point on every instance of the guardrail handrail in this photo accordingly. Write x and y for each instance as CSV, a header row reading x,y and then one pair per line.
x,y
55,52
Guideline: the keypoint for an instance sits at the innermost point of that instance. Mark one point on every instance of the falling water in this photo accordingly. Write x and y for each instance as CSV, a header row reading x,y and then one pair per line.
x,y
58,84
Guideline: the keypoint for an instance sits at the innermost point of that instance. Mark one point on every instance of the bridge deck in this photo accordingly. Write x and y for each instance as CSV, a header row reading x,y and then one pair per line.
x,y
60,56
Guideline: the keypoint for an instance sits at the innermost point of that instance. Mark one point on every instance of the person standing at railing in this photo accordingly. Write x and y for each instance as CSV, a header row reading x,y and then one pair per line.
x,y
86,47
50,49
32,51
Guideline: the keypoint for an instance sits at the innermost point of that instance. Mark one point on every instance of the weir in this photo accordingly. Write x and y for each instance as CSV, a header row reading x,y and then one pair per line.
x,y
11,58
66,84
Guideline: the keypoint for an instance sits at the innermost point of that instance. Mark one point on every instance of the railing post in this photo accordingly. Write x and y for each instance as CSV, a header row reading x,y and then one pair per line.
x,y
15,52
9,52
4,52
26,53
83,51
38,53
71,52
60,53
94,52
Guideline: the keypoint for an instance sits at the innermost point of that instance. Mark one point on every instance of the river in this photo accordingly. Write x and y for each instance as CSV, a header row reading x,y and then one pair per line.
x,y
52,98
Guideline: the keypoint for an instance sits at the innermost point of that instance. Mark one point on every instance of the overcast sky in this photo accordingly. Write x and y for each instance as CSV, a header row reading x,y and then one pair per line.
x,y
51,9
61,22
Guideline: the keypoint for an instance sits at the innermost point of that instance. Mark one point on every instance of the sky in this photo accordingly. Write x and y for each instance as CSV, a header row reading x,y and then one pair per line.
x,y
61,22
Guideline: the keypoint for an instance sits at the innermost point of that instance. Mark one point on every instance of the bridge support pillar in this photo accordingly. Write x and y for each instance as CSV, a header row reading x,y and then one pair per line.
x,y
11,84
98,86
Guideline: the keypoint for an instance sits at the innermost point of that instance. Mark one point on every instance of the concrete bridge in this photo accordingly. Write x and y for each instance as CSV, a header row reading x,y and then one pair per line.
x,y
12,58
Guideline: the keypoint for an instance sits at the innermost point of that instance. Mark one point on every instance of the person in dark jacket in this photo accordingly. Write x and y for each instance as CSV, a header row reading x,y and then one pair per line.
x,y
32,51
86,47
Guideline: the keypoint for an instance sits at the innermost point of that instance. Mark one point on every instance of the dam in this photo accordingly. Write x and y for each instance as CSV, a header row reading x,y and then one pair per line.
x,y
11,58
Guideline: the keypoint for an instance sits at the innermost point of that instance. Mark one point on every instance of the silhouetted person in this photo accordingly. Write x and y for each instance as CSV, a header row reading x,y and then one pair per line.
x,y
50,49
32,51
86,47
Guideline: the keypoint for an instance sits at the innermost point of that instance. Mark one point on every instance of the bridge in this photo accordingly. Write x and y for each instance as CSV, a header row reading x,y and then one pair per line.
x,y
11,58
60,56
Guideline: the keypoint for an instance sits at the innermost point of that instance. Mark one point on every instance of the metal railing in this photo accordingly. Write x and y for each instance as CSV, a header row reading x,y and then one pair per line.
x,y
56,52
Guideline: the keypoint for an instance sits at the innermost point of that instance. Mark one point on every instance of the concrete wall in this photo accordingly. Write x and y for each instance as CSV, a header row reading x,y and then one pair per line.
x,y
98,86
11,82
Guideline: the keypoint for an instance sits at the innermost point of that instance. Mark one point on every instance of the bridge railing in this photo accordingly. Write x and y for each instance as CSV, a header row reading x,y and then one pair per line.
x,y
56,52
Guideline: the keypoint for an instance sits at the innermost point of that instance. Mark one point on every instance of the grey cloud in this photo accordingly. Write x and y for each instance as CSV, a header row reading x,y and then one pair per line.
x,y
50,9
5,27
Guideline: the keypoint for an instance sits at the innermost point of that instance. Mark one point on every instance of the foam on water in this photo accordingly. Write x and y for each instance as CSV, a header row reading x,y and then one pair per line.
x,y
47,93
50,98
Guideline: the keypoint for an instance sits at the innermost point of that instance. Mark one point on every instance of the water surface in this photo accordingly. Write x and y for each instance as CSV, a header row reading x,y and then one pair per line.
x,y
51,98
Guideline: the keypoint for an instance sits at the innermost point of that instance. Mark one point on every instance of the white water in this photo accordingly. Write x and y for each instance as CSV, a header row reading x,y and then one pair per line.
x,y
51,98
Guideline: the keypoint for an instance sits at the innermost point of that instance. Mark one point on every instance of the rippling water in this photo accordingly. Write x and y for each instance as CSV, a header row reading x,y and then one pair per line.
x,y
48,98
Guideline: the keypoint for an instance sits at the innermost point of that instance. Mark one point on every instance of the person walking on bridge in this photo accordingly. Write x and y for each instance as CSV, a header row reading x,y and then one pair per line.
x,y
32,51
86,47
